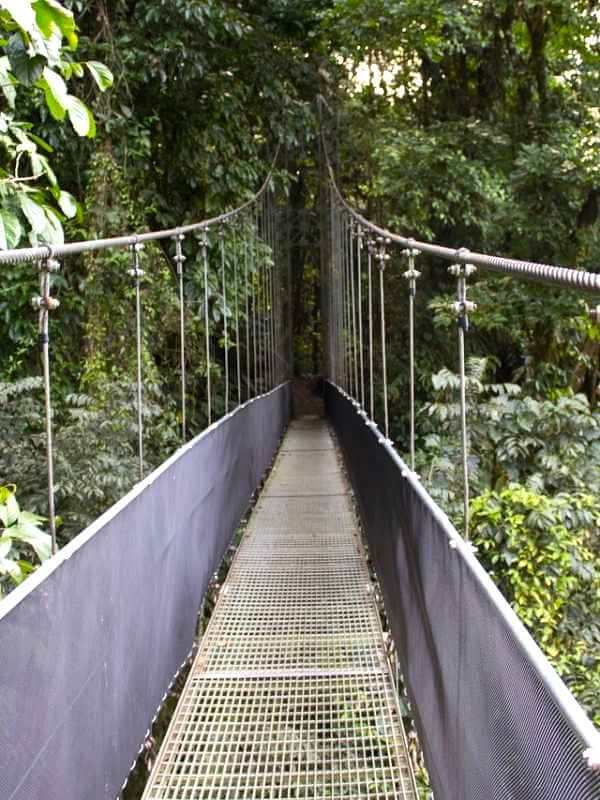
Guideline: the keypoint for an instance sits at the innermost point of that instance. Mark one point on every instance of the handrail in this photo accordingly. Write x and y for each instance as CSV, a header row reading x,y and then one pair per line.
x,y
22,255
531,270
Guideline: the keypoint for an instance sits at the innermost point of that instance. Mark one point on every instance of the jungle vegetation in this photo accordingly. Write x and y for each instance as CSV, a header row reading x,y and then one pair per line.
x,y
467,123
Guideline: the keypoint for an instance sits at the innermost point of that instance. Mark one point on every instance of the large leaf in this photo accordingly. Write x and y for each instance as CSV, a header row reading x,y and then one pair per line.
x,y
7,81
35,538
81,117
26,69
67,204
41,166
12,509
52,17
34,213
22,13
9,567
56,93
101,74
54,233
10,229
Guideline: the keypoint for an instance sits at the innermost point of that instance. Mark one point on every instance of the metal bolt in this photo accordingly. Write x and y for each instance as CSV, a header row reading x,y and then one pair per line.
x,y
49,303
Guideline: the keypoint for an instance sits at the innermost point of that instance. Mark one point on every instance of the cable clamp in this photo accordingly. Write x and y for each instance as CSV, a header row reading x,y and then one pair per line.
x,y
463,307
136,272
411,274
49,303
49,265
204,240
382,255
462,270
411,251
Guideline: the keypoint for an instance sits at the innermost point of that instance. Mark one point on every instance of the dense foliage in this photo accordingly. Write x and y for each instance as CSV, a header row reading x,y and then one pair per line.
x,y
474,124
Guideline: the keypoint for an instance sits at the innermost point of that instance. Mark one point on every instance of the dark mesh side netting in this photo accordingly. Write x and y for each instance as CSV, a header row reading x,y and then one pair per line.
x,y
489,726
89,645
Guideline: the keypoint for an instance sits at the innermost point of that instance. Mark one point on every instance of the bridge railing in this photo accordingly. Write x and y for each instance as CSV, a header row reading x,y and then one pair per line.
x,y
494,718
92,641
250,300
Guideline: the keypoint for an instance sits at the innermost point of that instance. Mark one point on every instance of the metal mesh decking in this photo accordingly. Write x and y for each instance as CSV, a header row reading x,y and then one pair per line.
x,y
290,695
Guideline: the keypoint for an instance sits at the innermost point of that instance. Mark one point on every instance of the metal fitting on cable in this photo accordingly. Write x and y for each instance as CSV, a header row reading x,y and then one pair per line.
x,y
381,254
594,314
360,236
47,266
49,303
462,307
203,239
136,248
411,273
179,257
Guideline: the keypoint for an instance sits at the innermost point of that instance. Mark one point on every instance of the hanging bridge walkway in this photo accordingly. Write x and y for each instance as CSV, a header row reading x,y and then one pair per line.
x,y
291,694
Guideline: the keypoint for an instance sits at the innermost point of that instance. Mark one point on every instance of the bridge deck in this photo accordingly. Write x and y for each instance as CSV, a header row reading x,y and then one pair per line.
x,y
290,695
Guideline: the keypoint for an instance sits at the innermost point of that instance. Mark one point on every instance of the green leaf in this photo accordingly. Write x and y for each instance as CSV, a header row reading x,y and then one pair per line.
x,y
67,204
101,74
56,93
12,509
26,70
34,213
38,540
5,546
51,17
7,81
41,143
9,567
54,233
10,228
22,13
81,117
41,166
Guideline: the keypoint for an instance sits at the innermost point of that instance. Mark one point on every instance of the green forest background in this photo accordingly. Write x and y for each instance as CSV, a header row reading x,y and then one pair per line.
x,y
467,123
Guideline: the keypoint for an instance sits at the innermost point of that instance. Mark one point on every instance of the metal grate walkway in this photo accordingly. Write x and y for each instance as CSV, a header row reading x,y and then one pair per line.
x,y
290,695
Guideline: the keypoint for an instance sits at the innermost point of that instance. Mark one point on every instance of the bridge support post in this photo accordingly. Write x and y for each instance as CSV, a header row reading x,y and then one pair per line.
x,y
462,307
44,304
411,276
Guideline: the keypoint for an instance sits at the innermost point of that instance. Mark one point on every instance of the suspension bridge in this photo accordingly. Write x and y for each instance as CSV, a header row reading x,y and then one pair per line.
x,y
292,692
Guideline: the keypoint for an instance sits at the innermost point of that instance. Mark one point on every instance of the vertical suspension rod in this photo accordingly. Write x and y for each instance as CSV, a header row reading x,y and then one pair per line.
x,y
371,252
411,276
383,257
359,247
137,274
179,261
462,307
225,325
204,244
238,355
44,304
